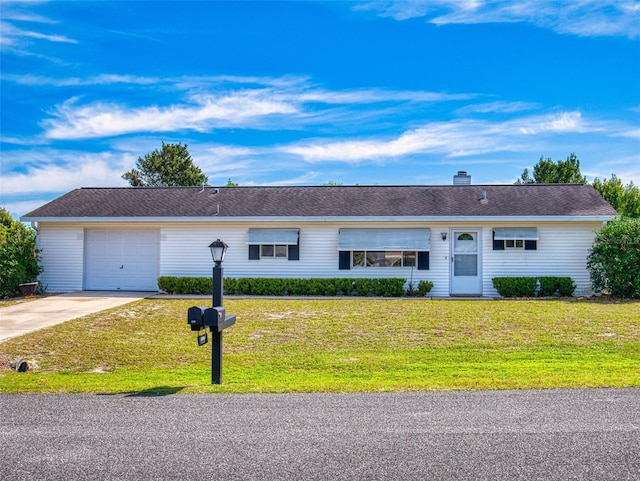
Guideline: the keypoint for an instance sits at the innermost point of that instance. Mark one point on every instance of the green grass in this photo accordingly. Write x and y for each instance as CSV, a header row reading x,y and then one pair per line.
x,y
338,345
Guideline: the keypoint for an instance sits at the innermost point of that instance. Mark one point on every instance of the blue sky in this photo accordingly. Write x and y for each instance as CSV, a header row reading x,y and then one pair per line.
x,y
306,93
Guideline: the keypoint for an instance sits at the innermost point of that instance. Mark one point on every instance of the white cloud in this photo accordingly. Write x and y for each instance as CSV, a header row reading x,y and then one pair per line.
x,y
105,79
633,133
453,139
203,113
13,34
304,179
498,107
577,17
293,105
625,167
18,208
563,122
70,171
368,96
286,89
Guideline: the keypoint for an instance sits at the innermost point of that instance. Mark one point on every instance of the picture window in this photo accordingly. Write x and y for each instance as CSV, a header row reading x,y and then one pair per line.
x,y
384,258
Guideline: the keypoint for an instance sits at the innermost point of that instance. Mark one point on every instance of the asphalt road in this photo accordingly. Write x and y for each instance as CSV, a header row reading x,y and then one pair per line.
x,y
500,435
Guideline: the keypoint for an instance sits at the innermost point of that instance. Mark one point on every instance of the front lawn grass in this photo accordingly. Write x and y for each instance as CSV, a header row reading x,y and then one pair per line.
x,y
337,345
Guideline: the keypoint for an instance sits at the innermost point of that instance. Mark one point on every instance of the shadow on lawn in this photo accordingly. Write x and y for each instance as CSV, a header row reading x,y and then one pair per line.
x,y
157,391
150,392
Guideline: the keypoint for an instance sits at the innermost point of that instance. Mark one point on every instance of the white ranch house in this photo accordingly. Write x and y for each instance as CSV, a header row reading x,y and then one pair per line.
x,y
457,236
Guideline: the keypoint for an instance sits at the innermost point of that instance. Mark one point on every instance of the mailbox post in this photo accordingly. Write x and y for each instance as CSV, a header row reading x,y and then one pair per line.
x,y
215,318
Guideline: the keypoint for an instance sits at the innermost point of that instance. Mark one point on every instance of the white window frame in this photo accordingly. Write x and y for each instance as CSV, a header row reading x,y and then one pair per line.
x,y
516,244
274,251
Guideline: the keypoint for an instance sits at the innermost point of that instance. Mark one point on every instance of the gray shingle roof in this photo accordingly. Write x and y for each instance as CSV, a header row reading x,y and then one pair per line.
x,y
329,201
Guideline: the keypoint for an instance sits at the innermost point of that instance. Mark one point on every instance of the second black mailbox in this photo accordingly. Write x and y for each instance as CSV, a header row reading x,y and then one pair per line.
x,y
214,316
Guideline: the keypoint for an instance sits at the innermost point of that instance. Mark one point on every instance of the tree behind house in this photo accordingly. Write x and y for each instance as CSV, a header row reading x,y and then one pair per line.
x,y
624,199
171,166
546,171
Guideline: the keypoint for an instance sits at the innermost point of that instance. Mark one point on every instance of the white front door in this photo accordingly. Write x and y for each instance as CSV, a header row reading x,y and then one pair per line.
x,y
122,259
466,275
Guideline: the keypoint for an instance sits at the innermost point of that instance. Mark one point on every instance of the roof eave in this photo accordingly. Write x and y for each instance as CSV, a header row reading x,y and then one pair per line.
x,y
216,219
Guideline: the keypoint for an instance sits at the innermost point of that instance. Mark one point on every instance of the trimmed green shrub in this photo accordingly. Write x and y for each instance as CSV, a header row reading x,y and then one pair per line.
x,y
550,286
614,261
18,255
186,285
260,286
424,287
516,286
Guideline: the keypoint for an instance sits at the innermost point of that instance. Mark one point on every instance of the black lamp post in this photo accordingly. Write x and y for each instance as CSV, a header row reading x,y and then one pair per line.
x,y
214,317
218,250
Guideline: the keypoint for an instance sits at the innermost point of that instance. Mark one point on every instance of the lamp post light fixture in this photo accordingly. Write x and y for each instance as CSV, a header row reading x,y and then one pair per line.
x,y
218,250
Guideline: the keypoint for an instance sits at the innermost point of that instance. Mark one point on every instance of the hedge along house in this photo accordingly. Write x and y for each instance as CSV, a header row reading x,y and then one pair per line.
x,y
457,236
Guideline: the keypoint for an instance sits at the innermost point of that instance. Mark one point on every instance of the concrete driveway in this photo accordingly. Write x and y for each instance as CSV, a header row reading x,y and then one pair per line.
x,y
25,317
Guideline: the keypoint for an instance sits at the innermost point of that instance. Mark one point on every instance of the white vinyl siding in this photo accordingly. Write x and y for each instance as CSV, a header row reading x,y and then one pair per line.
x,y
562,249
62,253
185,253
184,249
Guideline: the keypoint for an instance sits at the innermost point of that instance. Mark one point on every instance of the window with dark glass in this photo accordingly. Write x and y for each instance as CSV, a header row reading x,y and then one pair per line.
x,y
399,247
273,244
515,238
384,259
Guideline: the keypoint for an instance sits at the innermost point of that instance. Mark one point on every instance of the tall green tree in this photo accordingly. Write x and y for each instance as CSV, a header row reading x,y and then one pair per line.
x,y
614,261
168,167
546,171
18,255
624,199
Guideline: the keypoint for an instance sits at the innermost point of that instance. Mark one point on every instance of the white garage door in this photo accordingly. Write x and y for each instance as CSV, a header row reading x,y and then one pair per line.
x,y
122,260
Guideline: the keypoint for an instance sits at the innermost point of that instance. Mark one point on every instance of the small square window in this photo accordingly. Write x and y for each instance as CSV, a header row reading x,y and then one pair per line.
x,y
514,244
268,250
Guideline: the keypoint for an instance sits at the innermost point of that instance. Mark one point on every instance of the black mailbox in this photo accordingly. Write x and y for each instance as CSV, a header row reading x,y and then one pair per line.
x,y
195,317
214,316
